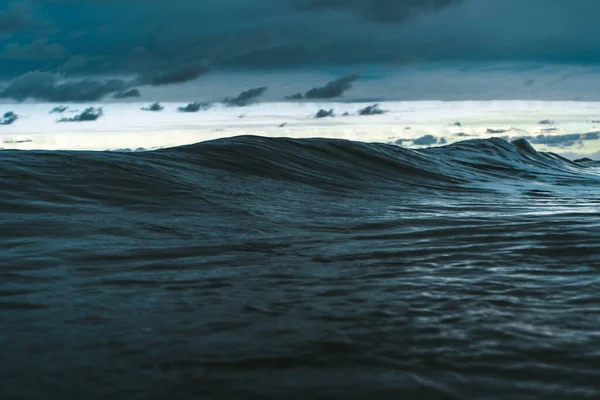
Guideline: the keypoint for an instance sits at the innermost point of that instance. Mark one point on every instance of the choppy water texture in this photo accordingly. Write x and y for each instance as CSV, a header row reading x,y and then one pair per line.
x,y
255,268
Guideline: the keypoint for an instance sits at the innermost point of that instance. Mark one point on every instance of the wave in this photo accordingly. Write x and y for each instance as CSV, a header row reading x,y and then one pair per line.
x,y
225,263
489,165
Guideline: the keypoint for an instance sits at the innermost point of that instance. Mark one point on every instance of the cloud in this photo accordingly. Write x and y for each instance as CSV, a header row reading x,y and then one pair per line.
x,y
579,156
59,110
175,74
324,113
194,107
47,87
566,140
16,17
163,41
9,118
153,107
39,49
381,11
426,140
331,90
89,114
497,131
127,94
246,97
371,110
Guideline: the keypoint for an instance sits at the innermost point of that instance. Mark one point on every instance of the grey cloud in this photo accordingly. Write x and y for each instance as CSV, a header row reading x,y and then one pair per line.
x,y
331,90
47,87
9,118
566,140
194,107
497,131
127,94
246,97
371,110
595,157
89,114
426,140
382,11
324,113
177,74
39,49
296,96
153,107
59,110
590,136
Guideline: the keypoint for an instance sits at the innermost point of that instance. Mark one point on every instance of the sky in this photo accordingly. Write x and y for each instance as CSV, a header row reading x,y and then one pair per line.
x,y
444,49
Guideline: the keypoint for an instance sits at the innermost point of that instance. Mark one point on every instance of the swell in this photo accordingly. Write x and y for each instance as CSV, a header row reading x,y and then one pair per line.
x,y
207,171
218,266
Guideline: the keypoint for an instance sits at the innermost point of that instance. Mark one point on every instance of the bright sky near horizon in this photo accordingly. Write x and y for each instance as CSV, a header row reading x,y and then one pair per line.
x,y
568,128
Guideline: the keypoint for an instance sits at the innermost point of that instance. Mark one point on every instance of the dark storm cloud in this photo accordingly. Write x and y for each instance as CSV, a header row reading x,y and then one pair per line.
x,y
45,86
331,90
163,41
383,11
39,49
16,16
157,38
246,97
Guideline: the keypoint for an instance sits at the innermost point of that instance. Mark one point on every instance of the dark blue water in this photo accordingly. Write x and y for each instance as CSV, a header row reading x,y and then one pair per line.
x,y
255,268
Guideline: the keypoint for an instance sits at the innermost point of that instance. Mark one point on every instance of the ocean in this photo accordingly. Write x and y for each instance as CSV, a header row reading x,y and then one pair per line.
x,y
255,267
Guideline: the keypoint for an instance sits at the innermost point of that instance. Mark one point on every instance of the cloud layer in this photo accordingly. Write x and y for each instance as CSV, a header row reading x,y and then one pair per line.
x,y
175,41
45,86
380,11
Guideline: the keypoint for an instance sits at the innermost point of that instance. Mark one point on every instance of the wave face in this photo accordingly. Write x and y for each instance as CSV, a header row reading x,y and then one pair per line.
x,y
253,267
